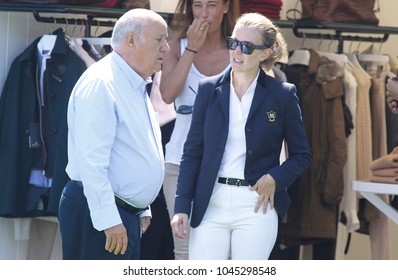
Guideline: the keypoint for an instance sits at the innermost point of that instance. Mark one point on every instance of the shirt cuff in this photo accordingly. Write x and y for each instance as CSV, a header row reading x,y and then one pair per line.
x,y
147,213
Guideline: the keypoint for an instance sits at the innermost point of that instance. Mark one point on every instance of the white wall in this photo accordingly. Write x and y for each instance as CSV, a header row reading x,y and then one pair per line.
x,y
163,6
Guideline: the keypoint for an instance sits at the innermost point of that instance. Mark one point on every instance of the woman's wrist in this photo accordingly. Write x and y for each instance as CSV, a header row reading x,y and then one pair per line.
x,y
191,50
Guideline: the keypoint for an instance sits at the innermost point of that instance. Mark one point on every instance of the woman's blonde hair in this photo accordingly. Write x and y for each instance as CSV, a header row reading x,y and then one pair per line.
x,y
270,34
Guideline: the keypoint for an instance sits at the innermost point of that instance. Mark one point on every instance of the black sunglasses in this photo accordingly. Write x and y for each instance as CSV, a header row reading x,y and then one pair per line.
x,y
245,47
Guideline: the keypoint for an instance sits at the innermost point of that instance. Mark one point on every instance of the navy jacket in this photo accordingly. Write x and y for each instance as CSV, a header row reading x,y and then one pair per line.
x,y
18,108
274,116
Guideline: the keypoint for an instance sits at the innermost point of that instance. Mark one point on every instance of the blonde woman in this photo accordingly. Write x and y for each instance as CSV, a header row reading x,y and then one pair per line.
x,y
231,184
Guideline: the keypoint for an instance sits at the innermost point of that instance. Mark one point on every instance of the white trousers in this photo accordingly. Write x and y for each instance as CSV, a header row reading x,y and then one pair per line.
x,y
231,229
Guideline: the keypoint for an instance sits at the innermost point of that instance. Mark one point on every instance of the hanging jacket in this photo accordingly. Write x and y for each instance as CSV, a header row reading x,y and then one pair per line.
x,y
19,109
318,191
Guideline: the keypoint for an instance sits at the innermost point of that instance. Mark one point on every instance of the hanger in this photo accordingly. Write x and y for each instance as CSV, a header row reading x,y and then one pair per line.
x,y
320,42
334,56
302,42
349,49
299,56
47,41
97,40
372,57
354,61
330,44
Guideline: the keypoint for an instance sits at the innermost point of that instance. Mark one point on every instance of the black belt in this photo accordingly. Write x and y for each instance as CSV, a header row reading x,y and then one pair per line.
x,y
233,182
121,203
129,208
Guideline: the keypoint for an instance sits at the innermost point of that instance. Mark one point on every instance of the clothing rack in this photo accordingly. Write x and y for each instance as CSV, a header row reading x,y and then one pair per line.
x,y
343,31
94,18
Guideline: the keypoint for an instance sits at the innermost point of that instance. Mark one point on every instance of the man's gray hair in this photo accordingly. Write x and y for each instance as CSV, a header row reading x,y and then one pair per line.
x,y
131,21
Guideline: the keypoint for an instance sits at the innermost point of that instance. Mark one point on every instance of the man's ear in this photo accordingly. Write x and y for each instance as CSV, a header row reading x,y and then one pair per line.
x,y
130,40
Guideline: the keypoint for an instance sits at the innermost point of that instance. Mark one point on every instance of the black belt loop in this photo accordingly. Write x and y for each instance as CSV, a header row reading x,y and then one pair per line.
x,y
233,182
121,203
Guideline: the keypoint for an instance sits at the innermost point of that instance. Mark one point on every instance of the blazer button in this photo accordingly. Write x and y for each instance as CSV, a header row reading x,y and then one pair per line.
x,y
248,129
249,152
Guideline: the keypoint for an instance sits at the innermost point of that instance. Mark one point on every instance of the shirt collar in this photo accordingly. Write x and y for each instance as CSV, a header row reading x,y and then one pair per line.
x,y
252,87
136,80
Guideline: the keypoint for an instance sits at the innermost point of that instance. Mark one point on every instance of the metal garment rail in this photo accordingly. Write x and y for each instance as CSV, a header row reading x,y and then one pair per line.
x,y
343,32
95,17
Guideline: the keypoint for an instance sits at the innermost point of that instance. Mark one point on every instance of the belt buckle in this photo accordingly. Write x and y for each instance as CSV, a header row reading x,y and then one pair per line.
x,y
227,181
238,183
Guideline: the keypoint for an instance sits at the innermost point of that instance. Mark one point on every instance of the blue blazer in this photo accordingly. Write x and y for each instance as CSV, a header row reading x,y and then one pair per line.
x,y
274,116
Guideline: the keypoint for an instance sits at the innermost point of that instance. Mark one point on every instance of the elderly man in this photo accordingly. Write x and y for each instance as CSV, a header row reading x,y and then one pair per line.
x,y
115,157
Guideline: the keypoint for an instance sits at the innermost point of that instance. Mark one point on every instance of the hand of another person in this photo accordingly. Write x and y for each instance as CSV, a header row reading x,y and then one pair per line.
x,y
179,225
116,239
392,95
392,104
145,222
265,187
196,33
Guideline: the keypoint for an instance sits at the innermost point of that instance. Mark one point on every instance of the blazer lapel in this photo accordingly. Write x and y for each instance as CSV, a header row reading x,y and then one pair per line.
x,y
223,92
223,98
260,92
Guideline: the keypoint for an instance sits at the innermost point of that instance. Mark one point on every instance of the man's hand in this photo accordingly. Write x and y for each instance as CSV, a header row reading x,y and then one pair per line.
x,y
116,239
145,222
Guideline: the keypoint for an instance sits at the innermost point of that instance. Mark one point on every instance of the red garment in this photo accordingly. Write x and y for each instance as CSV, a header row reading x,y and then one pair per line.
x,y
269,8
107,4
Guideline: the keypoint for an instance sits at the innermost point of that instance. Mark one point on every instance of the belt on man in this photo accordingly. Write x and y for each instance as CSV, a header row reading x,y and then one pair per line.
x,y
233,182
128,207
122,203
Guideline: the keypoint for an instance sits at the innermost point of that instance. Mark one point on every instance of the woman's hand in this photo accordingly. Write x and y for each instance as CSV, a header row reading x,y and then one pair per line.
x,y
196,33
179,225
265,187
392,95
392,104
